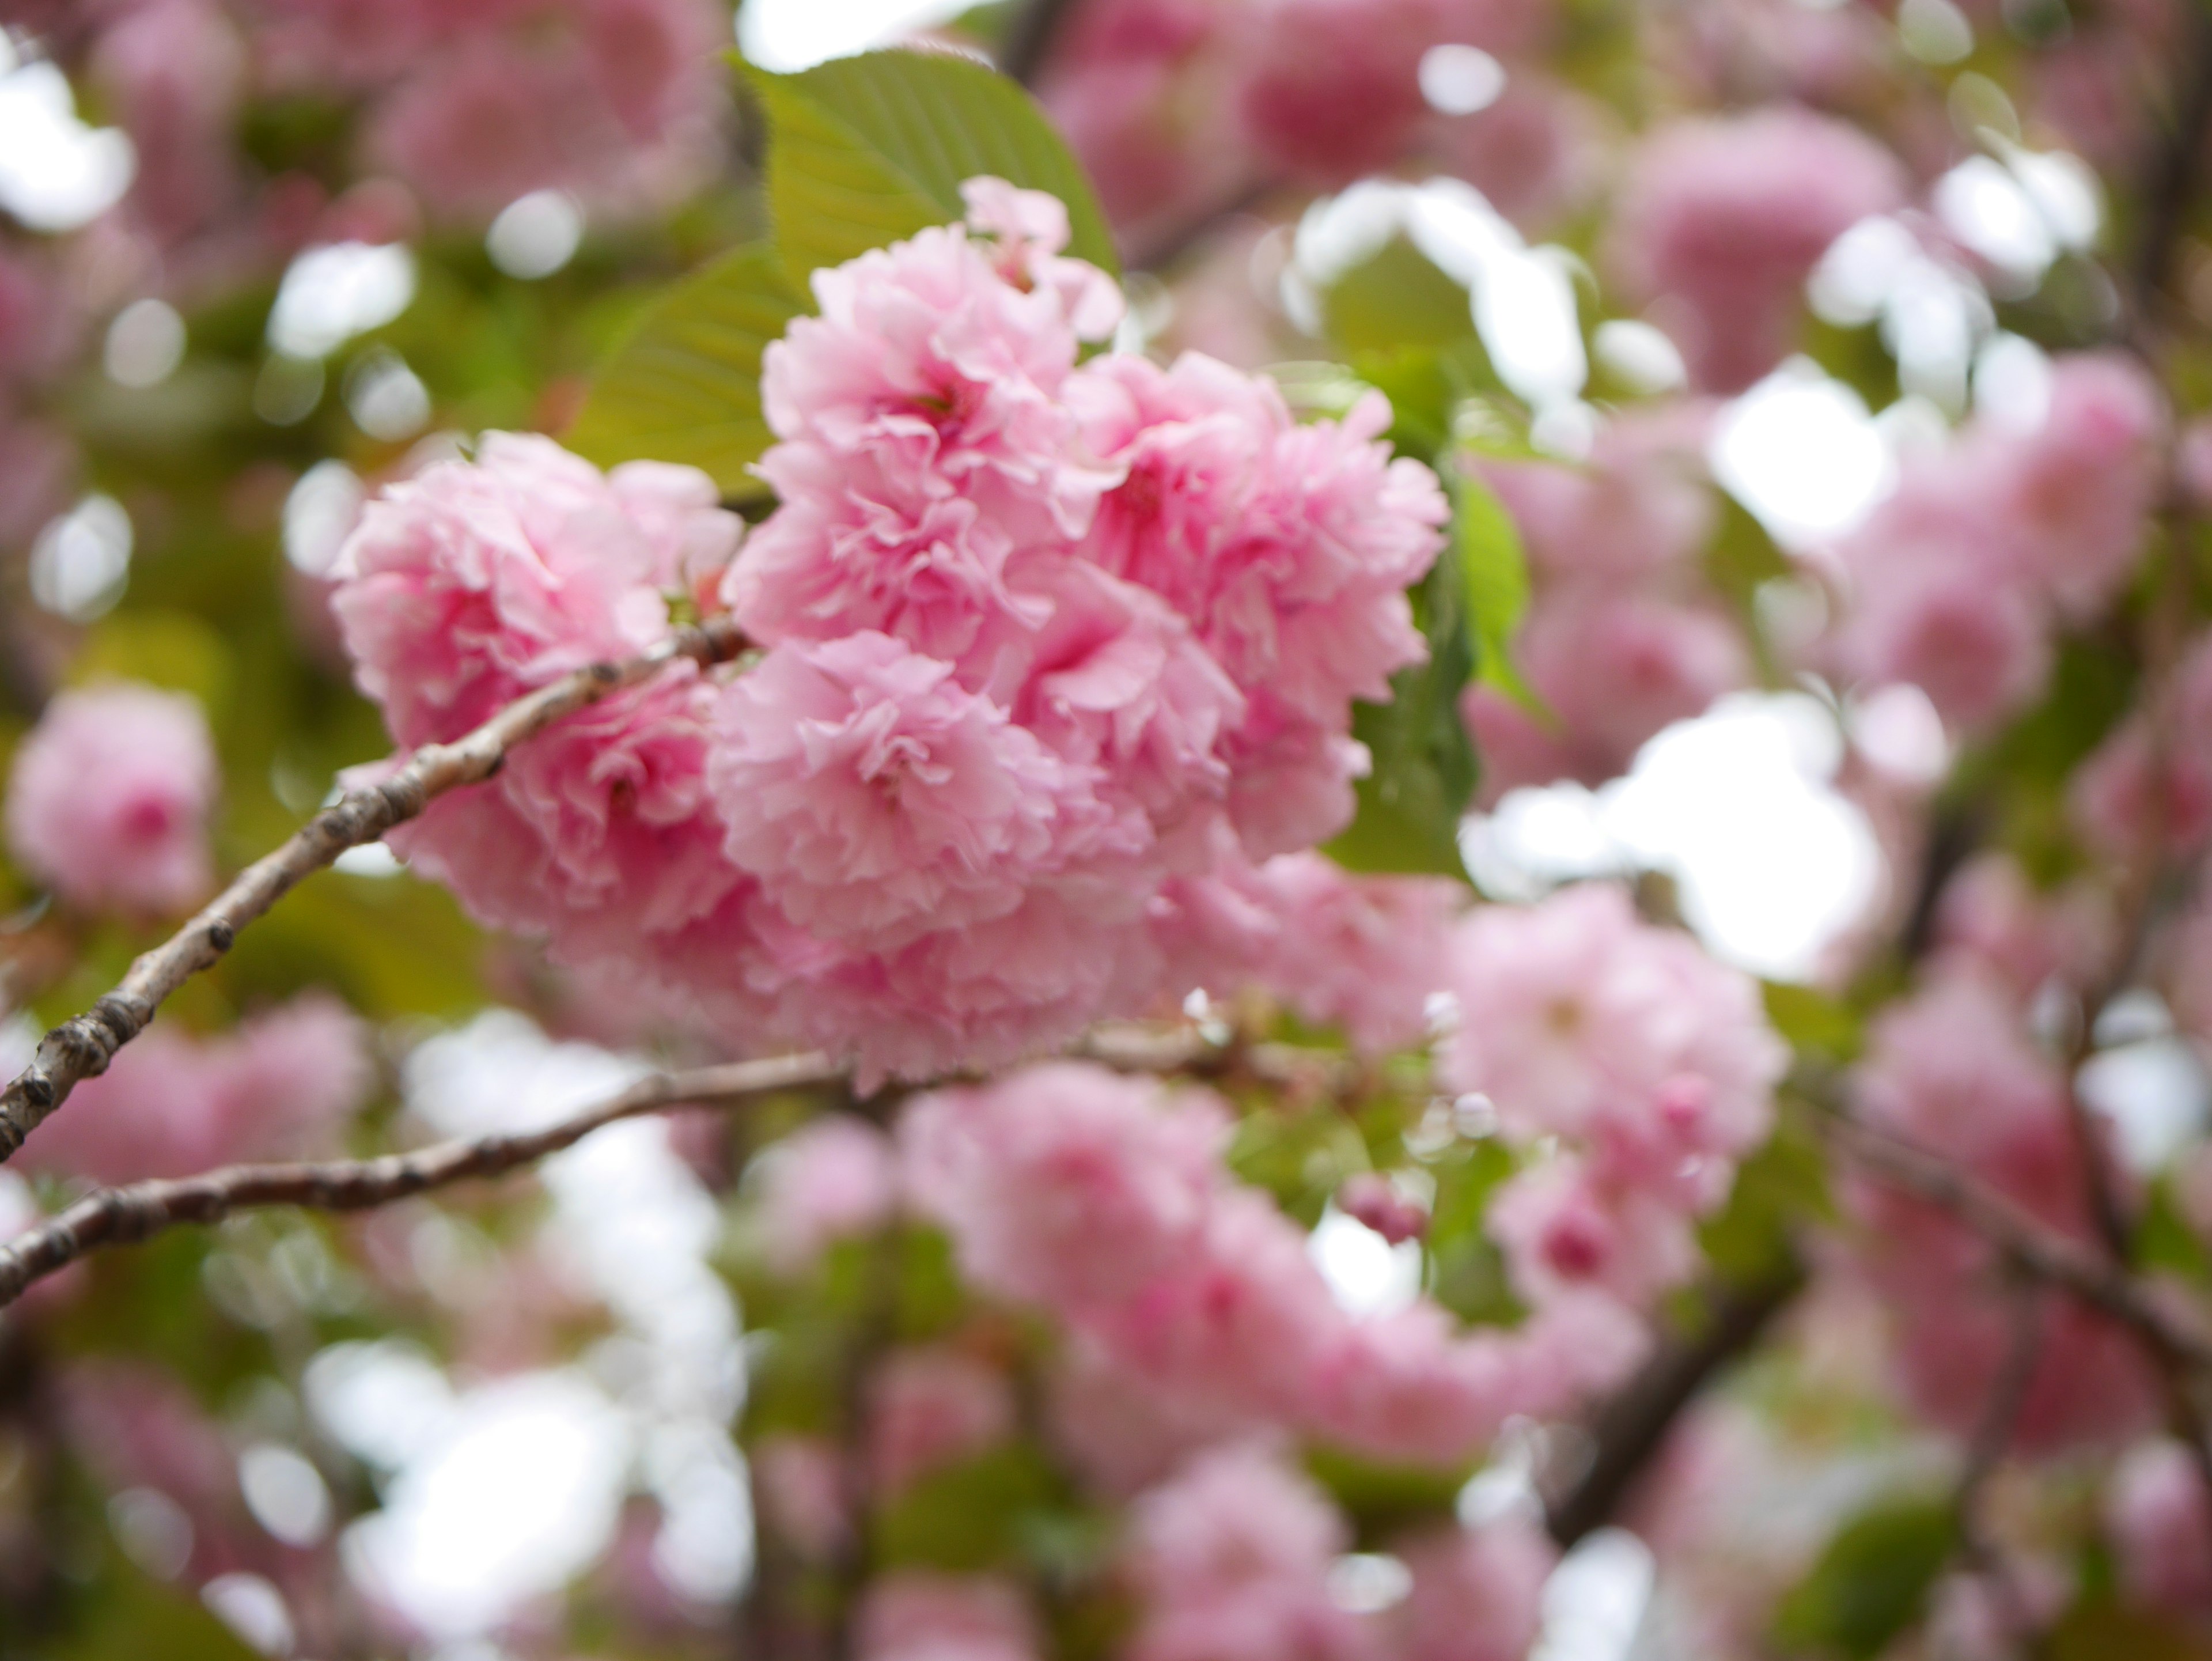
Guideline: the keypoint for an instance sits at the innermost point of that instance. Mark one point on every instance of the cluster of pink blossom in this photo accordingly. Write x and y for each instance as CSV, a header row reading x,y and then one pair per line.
x,y
1036,639
1649,1063
1177,106
1194,1311
1954,1070
108,800
2147,791
174,1105
1363,953
1957,581
473,103
1230,1560
1721,218
1622,637
913,1616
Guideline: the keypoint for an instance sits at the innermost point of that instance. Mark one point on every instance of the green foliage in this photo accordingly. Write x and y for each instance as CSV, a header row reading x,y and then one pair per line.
x,y
1384,1501
2102,1629
1871,1583
132,1617
972,1516
1424,766
865,151
1467,1271
1301,1159
1779,1191
1396,300
684,386
1813,1023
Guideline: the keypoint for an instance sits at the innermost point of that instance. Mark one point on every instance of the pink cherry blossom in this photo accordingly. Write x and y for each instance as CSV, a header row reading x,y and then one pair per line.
x,y
1952,1071
109,797
1229,1560
1578,1021
2157,1519
877,799
1477,1592
1990,920
831,1179
1612,667
177,72
2137,794
930,1407
910,1615
173,1105
1065,1184
1371,1196
803,1496
1562,1229
1367,952
1723,217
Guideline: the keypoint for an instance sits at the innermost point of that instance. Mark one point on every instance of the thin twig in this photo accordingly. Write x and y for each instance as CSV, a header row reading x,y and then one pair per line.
x,y
1630,1428
81,1048
1993,1434
2025,1239
123,1216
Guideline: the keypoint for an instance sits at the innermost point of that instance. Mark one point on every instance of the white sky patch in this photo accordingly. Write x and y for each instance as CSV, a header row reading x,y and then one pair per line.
x,y
461,1542
1802,453
332,293
1461,80
1736,805
1366,1273
145,344
521,1493
81,562
1595,1602
319,514
797,35
55,173
535,236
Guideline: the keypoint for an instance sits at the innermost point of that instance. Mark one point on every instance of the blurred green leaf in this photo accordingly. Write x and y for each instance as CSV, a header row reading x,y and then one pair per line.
x,y
1871,1583
864,151
1812,1022
133,1618
1779,1190
1397,298
170,649
972,1516
1467,1271
1424,768
1384,1500
1495,571
684,386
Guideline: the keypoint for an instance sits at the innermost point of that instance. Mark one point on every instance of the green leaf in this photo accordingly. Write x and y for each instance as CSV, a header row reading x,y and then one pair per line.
x,y
969,1517
865,151
1424,768
1871,1583
1495,570
1397,298
1812,1022
685,385
2100,1629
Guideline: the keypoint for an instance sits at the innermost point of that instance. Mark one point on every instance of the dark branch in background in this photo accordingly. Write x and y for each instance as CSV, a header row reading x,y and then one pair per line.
x,y
1632,1428
122,1216
81,1048
1992,1436
2176,173
2028,1244
1030,38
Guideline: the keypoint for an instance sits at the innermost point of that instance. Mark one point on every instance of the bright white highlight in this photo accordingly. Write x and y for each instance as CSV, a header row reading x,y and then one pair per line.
x,y
55,173
1737,807
535,236
332,293
386,399
318,515
1459,80
145,344
1367,1274
254,1608
1801,452
797,35
1640,354
1935,31
1595,1602
284,1492
1367,1582
522,1493
81,562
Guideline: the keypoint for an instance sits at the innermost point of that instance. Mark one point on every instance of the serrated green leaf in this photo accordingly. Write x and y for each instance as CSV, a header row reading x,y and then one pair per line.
x,y
1871,1583
685,385
864,151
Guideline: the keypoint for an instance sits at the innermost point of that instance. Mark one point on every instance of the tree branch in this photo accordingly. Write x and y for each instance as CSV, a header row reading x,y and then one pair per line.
x,y
1030,38
1630,1428
124,1216
2025,1239
82,1047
